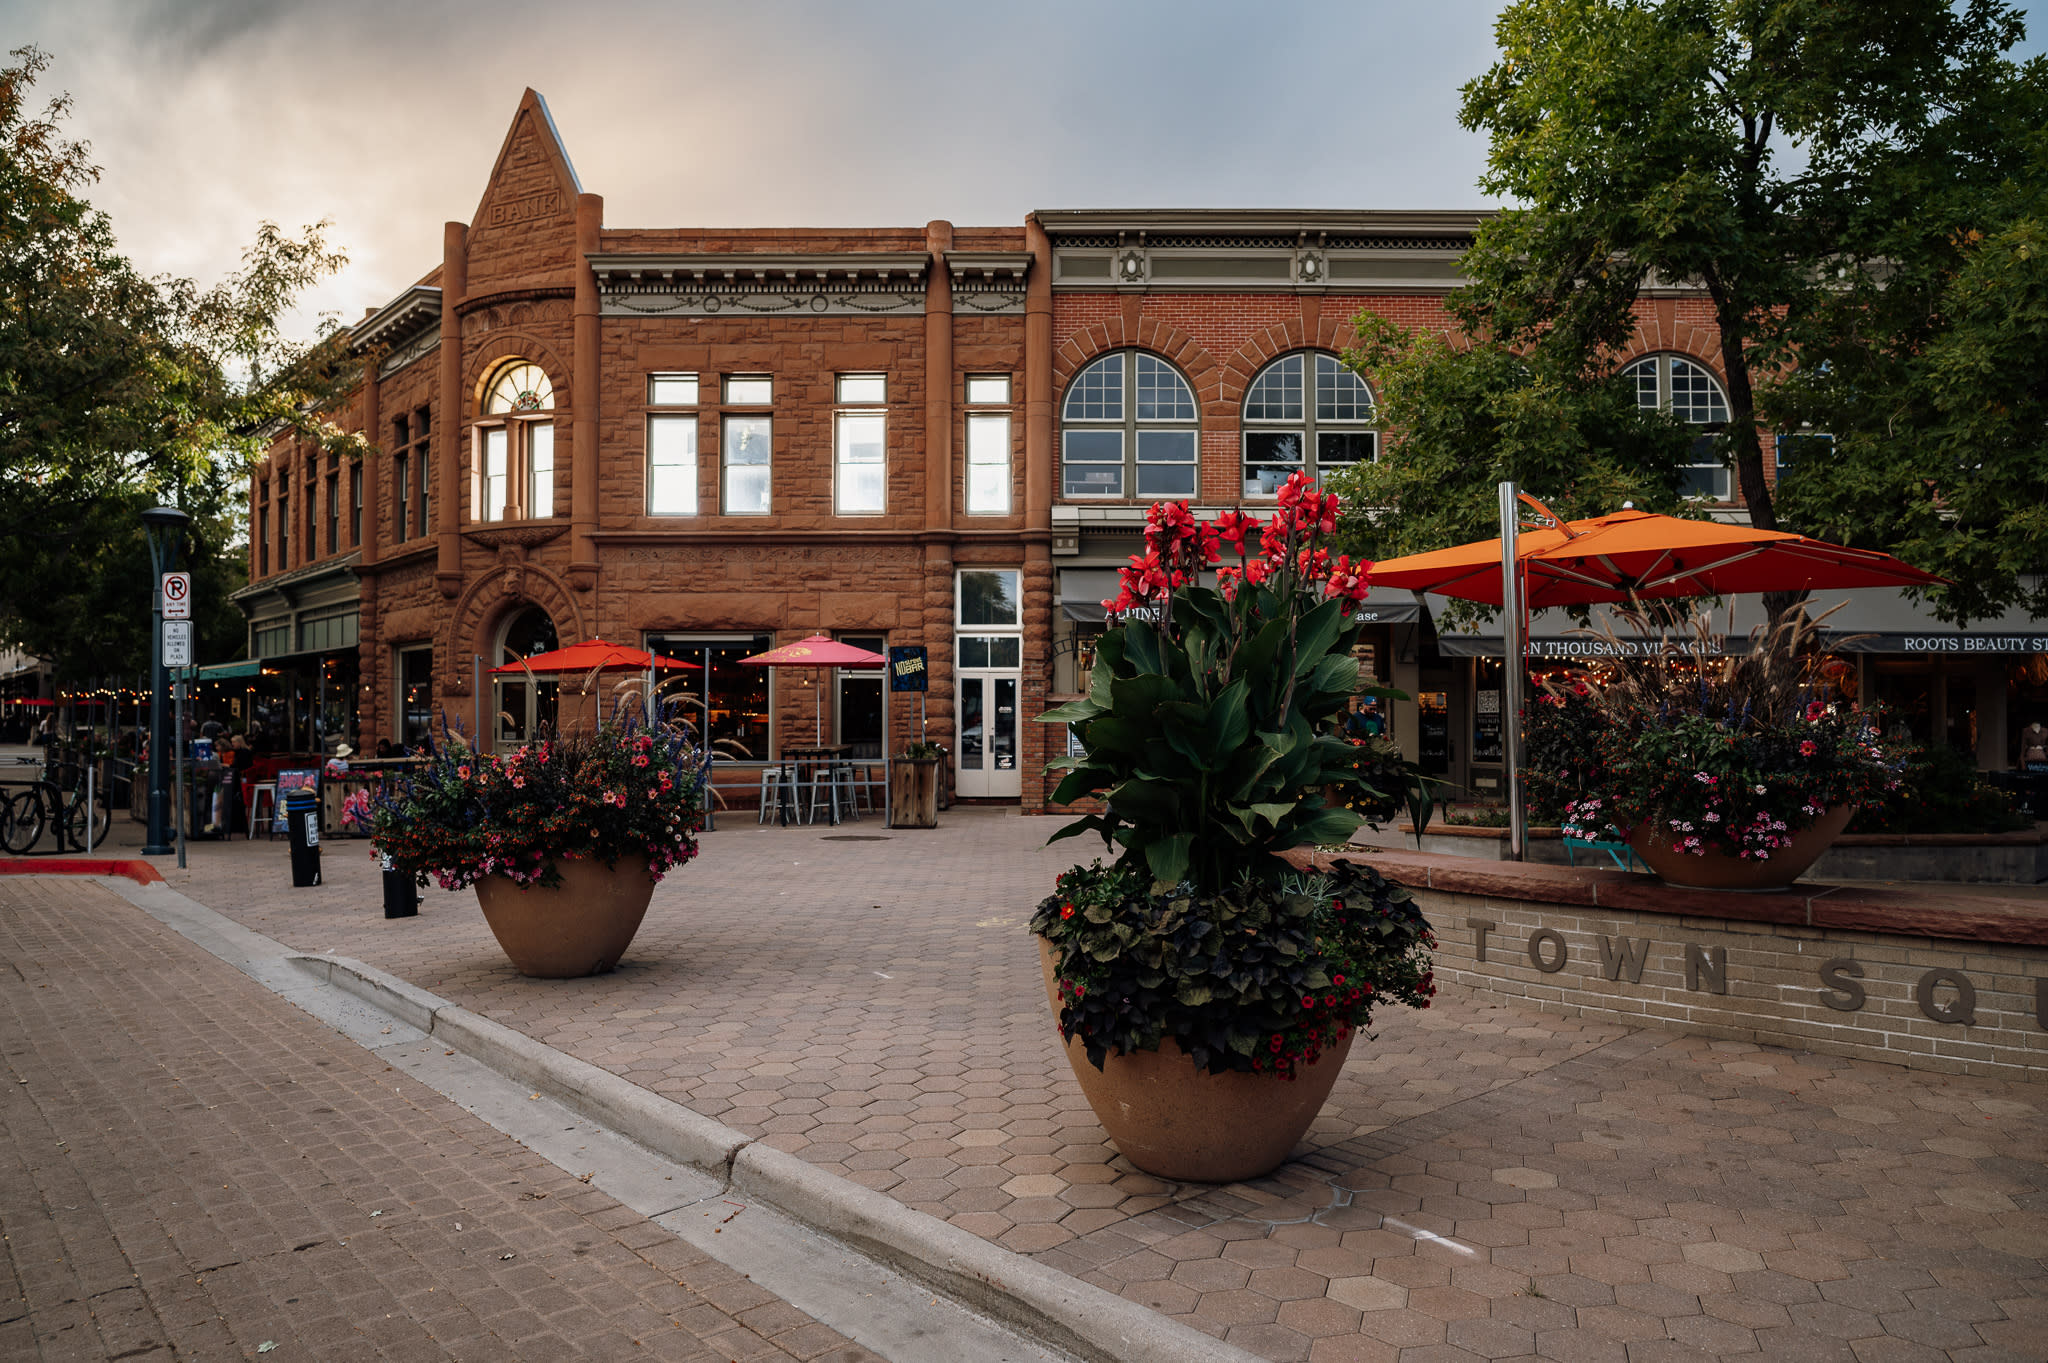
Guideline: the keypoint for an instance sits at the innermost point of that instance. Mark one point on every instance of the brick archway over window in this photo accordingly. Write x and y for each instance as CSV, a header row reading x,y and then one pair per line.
x,y
499,349
1331,333
1662,327
473,624
1168,342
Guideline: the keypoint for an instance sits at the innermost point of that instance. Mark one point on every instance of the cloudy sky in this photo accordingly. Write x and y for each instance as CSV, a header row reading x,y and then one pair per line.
x,y
384,115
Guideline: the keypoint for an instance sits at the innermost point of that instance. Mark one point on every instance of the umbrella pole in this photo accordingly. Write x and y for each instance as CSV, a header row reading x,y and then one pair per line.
x,y
1514,632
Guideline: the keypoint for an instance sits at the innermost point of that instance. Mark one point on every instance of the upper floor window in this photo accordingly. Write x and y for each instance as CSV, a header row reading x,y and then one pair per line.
x,y
746,443
1129,421
988,445
515,444
1797,449
672,444
860,470
1674,384
411,447
1303,417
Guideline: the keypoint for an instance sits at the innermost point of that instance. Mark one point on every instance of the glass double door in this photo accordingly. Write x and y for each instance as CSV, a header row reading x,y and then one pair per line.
x,y
986,755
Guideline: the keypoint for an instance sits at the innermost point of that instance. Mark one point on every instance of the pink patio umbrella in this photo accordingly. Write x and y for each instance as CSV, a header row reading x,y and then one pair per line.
x,y
817,651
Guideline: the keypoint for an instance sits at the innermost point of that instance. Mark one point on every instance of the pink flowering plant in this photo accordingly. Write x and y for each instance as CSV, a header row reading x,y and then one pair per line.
x,y
625,791
1725,752
1209,748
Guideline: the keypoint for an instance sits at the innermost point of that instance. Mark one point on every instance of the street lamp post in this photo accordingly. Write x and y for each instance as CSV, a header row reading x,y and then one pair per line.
x,y
166,529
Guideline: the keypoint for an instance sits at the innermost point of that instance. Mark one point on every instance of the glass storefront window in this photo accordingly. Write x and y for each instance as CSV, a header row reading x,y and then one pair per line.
x,y
726,702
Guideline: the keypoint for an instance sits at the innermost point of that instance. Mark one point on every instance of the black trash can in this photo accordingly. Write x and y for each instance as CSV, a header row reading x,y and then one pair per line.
x,y
401,893
302,818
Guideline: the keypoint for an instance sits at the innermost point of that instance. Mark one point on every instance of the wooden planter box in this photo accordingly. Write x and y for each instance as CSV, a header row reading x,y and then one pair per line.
x,y
913,792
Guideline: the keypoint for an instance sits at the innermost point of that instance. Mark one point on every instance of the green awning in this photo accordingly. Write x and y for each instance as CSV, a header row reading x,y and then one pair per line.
x,y
223,671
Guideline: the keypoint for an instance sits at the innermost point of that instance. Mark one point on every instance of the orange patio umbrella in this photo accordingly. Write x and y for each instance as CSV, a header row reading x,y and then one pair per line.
x,y
1639,553
1614,558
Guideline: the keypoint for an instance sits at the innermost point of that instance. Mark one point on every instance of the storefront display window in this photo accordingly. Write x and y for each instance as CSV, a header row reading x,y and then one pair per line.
x,y
730,703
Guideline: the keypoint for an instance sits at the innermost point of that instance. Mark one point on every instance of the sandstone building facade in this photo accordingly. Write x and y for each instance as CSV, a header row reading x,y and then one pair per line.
x,y
713,442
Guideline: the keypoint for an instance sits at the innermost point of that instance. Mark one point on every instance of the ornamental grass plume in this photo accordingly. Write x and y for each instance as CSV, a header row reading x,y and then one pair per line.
x,y
1724,751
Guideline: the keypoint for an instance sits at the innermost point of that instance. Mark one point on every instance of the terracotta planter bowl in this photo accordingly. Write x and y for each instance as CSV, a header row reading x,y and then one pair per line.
x,y
580,927
1176,1121
1719,871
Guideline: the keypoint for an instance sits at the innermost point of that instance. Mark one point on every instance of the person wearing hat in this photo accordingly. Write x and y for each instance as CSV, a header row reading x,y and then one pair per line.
x,y
337,765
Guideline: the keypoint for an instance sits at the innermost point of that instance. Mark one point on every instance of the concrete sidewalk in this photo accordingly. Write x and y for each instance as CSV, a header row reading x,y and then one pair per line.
x,y
1488,1181
190,1167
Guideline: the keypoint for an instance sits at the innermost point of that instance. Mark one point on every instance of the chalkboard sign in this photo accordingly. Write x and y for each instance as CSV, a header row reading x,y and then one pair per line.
x,y
1486,731
907,668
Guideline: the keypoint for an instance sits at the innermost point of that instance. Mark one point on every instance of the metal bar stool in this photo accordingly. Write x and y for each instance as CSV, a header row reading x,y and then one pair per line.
x,y
263,809
778,779
824,782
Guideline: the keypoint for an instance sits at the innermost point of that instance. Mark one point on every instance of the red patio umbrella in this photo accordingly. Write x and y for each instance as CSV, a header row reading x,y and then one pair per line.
x,y
595,655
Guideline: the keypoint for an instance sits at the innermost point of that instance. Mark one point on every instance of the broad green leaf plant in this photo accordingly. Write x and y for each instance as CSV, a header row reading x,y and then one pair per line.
x,y
1209,741
1207,728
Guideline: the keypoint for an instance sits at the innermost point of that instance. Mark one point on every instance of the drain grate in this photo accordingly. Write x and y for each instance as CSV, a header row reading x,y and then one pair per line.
x,y
854,837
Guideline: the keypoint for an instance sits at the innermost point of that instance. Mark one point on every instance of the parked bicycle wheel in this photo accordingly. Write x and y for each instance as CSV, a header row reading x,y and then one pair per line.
x,y
24,822
74,824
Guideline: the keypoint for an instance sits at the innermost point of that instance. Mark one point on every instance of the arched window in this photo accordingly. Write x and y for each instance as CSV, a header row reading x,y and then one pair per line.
x,y
1129,421
1305,418
525,705
1674,384
515,446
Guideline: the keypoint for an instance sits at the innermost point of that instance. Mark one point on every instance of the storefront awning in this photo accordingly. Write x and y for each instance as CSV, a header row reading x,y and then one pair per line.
x,y
1083,590
1870,620
224,671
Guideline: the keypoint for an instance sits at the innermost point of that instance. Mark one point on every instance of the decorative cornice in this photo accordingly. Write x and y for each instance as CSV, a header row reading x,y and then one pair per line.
x,y
1262,222
988,281
419,307
748,283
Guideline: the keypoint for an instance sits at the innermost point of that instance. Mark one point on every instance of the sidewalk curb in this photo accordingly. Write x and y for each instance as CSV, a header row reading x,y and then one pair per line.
x,y
1060,1309
141,872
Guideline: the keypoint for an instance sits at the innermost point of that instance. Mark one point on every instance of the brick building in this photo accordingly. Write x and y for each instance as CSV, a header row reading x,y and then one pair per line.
x,y
712,442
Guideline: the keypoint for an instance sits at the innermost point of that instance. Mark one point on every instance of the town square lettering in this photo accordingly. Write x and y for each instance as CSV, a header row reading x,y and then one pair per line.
x,y
526,209
1944,995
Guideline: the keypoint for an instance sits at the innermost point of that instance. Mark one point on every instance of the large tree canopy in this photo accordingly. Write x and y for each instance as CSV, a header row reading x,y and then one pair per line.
x,y
1794,160
119,391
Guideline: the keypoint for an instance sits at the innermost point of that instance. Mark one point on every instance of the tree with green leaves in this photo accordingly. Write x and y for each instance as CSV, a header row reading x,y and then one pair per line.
x,y
119,391
1759,151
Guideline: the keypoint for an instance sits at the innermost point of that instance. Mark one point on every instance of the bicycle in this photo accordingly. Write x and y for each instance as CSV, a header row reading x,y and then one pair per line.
x,y
44,805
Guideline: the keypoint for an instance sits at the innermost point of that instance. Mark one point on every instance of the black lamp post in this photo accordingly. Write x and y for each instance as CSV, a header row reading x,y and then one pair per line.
x,y
166,528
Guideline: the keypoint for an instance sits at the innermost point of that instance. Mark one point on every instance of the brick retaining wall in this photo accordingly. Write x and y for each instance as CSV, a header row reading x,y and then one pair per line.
x,y
1936,982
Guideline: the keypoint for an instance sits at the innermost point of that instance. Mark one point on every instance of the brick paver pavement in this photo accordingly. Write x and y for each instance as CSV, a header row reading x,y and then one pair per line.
x,y
190,1167
1488,1181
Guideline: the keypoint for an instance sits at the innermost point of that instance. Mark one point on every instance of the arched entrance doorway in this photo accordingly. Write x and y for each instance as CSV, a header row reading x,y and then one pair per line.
x,y
524,706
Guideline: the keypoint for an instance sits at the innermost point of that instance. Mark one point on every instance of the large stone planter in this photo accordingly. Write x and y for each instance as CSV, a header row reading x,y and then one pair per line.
x,y
580,927
1176,1121
1719,871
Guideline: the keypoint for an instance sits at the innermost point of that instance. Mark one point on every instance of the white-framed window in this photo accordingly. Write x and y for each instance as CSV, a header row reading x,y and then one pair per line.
x,y
1684,388
1129,421
1305,413
860,468
988,445
671,445
746,442
1794,450
514,445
